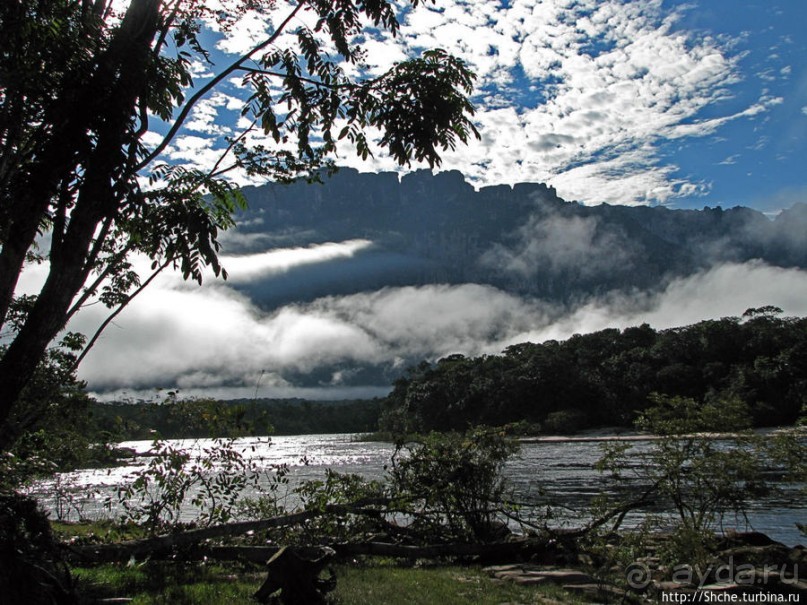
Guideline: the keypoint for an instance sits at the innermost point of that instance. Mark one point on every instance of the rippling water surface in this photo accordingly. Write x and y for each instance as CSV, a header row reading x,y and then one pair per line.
x,y
561,469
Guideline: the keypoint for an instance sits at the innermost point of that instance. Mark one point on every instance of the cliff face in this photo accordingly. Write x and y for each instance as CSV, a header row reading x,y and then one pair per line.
x,y
524,239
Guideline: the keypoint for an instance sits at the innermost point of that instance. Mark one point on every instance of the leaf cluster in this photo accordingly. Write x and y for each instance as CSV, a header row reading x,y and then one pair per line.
x,y
210,482
304,94
440,488
703,467
452,484
50,429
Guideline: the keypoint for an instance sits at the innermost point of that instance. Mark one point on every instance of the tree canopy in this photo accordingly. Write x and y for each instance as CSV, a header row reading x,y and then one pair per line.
x,y
82,186
607,378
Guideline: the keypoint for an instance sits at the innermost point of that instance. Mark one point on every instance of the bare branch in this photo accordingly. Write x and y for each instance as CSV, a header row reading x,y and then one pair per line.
x,y
118,311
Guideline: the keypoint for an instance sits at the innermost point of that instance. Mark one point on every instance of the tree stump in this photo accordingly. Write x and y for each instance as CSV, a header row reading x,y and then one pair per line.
x,y
294,571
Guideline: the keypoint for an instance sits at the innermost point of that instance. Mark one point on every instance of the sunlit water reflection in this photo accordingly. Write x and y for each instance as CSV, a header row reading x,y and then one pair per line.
x,y
557,470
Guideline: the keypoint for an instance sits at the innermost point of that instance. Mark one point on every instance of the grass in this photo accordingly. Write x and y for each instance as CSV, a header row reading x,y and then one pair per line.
x,y
168,584
451,585
103,531
160,583
368,581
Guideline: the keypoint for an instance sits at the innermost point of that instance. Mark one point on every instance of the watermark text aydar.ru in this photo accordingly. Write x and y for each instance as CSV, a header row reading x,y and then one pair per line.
x,y
639,575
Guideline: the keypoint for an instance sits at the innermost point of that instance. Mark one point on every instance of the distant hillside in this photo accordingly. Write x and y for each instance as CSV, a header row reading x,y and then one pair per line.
x,y
200,418
605,378
524,239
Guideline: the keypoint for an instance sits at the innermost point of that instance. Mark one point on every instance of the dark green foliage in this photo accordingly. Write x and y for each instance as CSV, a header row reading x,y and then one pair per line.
x,y
338,489
74,431
176,418
54,398
80,83
703,478
210,480
31,569
52,429
443,487
452,484
301,417
608,377
696,478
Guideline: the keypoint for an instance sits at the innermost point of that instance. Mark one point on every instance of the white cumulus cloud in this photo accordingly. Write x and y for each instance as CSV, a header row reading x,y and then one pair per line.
x,y
581,95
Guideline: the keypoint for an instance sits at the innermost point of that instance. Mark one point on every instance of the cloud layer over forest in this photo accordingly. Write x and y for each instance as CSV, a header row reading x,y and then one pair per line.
x,y
214,340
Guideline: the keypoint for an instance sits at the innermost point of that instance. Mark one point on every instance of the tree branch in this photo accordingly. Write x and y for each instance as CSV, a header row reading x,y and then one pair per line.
x,y
118,311
166,543
183,115
318,83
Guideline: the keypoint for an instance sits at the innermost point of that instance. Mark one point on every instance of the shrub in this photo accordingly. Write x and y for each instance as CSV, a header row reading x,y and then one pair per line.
x,y
452,484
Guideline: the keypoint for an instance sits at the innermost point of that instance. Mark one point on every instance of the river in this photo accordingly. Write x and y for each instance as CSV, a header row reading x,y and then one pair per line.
x,y
557,470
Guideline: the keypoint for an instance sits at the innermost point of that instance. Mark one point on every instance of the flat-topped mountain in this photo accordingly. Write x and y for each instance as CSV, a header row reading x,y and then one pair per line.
x,y
436,228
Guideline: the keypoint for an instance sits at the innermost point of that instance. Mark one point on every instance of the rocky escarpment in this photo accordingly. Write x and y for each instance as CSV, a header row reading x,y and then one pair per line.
x,y
436,228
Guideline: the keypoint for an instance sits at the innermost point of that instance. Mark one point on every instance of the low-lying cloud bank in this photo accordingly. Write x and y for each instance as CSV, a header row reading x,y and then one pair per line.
x,y
216,341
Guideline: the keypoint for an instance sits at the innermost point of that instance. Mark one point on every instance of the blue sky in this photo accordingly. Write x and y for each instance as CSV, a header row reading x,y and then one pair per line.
x,y
757,162
683,103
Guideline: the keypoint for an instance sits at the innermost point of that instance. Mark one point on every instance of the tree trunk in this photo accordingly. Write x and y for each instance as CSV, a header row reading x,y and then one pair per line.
x,y
170,542
118,83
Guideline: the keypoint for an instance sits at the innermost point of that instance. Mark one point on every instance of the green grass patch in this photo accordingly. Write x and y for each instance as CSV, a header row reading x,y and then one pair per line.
x,y
451,585
161,583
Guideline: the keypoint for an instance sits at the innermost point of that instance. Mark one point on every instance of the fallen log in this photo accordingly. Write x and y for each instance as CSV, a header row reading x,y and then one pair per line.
x,y
160,546
193,540
521,548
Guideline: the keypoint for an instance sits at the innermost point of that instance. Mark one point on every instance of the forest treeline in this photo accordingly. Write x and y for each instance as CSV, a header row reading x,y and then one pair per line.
x,y
85,433
603,379
199,418
606,378
590,380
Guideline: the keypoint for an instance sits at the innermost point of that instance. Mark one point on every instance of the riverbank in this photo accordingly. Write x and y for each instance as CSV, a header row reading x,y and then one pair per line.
x,y
580,527
563,571
608,434
596,435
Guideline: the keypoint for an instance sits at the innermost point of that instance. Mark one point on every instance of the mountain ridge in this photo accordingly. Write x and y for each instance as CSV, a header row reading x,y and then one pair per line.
x,y
436,228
